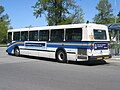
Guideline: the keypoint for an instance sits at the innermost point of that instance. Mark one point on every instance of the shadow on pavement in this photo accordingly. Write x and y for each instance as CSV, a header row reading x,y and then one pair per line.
x,y
39,58
89,63
86,63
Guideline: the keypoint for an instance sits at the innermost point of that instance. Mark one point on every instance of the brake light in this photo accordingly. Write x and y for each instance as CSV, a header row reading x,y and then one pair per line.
x,y
92,46
91,37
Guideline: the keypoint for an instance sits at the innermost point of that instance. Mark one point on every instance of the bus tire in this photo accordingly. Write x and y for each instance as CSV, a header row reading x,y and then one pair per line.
x,y
61,56
17,51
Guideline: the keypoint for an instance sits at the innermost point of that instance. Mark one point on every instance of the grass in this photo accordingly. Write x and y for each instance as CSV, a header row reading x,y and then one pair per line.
x,y
3,45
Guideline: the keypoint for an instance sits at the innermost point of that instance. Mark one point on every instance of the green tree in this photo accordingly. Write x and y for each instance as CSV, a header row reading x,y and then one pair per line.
x,y
76,17
104,12
118,14
58,11
4,23
118,17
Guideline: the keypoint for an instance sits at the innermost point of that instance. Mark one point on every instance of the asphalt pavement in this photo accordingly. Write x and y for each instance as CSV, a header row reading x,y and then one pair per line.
x,y
30,73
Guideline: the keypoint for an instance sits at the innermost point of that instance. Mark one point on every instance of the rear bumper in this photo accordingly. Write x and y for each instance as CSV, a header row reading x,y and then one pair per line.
x,y
99,57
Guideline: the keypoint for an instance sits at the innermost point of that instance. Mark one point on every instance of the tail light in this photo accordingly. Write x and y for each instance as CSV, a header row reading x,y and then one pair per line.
x,y
92,46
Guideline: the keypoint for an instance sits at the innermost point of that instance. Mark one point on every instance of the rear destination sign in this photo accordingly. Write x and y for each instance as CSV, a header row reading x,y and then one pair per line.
x,y
99,46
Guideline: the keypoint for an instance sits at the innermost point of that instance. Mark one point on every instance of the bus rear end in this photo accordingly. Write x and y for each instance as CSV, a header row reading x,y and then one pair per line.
x,y
99,48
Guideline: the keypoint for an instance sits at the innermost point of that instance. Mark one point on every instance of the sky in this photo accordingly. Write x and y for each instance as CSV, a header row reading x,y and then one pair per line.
x,y
21,12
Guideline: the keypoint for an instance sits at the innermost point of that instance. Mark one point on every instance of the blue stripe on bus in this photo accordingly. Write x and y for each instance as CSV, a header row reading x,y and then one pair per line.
x,y
11,46
72,45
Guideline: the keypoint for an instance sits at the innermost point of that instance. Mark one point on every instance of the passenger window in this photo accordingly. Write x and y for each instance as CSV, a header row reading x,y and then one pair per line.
x,y
74,34
24,36
33,36
16,36
44,35
9,37
57,35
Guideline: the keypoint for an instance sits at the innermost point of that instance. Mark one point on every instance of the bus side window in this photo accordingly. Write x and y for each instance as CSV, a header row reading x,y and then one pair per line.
x,y
16,36
44,35
57,35
9,37
33,35
74,34
24,35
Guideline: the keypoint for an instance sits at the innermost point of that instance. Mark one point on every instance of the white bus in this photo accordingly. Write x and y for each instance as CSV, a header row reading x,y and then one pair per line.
x,y
75,42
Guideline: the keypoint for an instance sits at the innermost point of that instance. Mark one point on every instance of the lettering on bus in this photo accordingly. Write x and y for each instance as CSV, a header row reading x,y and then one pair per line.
x,y
98,46
35,44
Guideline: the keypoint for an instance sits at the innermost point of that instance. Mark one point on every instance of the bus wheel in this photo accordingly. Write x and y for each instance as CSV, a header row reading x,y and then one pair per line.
x,y
16,51
61,56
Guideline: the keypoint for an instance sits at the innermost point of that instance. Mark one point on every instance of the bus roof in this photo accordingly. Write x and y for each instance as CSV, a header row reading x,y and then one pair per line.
x,y
56,27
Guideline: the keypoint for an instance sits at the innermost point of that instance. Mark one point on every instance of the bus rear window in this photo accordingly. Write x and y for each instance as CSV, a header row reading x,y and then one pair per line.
x,y
100,34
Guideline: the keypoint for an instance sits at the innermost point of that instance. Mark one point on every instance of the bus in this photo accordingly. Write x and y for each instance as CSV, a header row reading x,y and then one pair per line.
x,y
73,42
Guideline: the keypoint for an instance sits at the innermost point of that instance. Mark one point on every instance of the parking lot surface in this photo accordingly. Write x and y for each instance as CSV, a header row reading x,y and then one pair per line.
x,y
30,73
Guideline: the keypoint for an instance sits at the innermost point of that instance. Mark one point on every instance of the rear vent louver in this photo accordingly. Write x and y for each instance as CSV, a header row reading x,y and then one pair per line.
x,y
82,51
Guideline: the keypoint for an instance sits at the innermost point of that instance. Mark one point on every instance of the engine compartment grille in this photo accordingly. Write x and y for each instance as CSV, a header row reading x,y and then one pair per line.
x,y
82,51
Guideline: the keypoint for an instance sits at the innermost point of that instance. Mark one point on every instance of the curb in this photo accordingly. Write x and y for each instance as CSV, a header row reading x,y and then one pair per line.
x,y
2,45
113,60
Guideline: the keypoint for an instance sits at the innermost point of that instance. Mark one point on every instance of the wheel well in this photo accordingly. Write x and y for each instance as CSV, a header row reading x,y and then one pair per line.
x,y
16,53
16,47
58,50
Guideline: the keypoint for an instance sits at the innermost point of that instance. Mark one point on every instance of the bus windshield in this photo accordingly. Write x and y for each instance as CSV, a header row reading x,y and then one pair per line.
x,y
100,34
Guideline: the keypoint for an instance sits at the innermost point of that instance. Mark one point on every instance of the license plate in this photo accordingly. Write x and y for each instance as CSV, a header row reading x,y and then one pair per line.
x,y
99,58
106,57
